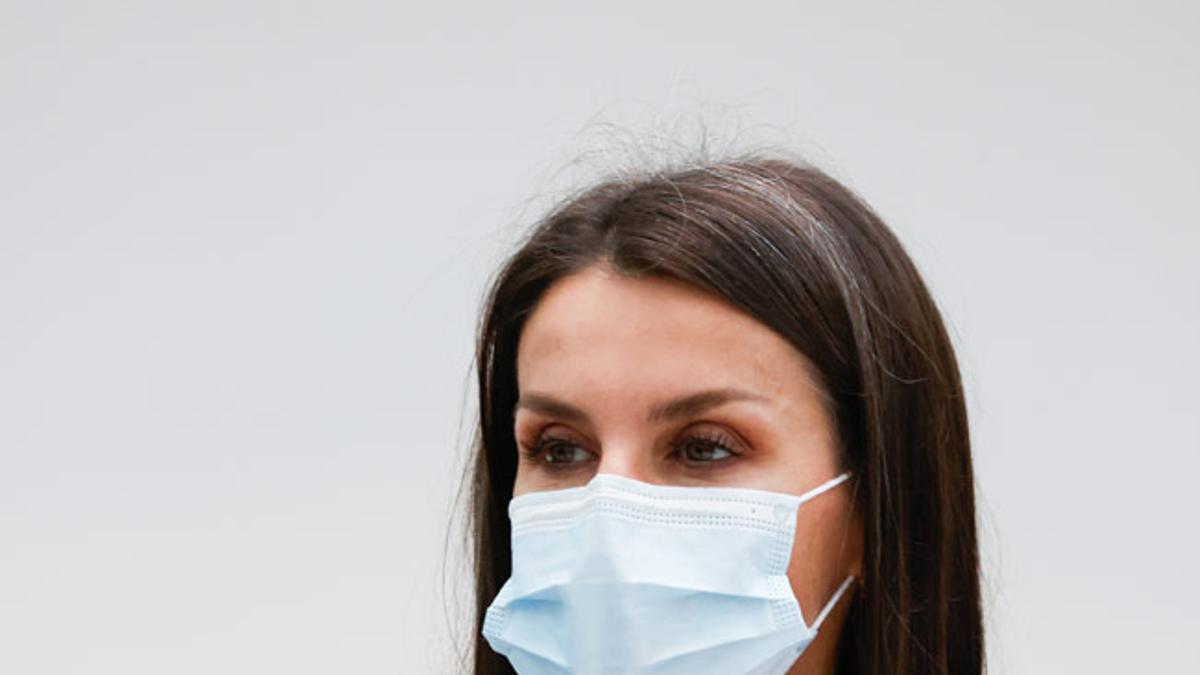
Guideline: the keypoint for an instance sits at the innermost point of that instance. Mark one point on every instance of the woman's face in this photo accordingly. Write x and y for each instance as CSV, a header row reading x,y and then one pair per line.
x,y
656,381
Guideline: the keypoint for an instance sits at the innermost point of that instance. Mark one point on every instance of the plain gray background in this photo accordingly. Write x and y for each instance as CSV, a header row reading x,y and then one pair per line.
x,y
243,245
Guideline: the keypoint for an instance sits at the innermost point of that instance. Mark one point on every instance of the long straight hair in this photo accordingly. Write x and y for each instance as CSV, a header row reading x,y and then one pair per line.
x,y
798,251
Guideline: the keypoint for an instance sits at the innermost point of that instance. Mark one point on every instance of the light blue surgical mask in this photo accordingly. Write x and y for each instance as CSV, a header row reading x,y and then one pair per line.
x,y
624,577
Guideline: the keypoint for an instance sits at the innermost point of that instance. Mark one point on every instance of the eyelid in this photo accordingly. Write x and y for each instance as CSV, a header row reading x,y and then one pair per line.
x,y
543,441
543,433
718,437
719,431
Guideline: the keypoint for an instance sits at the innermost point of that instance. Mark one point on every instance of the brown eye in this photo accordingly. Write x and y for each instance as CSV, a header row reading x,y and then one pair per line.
x,y
705,452
705,448
565,453
556,454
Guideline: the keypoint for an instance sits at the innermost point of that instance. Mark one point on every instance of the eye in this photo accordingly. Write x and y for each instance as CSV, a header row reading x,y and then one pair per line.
x,y
556,454
565,453
705,448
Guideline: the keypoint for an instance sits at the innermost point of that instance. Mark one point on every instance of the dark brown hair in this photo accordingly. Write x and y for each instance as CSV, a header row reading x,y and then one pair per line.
x,y
801,253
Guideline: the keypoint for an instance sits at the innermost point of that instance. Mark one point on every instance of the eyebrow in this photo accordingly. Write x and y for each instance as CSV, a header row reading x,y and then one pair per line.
x,y
683,406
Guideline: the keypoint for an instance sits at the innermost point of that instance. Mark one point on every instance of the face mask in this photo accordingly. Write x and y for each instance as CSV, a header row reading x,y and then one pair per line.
x,y
624,577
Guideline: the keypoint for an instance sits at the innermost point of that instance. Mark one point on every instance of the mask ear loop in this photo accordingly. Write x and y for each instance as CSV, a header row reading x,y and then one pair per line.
x,y
837,595
824,487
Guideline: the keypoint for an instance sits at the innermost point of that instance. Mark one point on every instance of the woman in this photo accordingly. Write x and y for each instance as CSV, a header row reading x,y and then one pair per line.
x,y
722,430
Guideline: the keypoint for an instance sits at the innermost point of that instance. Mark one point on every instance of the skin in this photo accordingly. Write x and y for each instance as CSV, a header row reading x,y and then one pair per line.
x,y
601,350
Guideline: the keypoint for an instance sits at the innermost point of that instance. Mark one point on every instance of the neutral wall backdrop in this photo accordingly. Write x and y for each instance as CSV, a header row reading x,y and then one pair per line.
x,y
243,245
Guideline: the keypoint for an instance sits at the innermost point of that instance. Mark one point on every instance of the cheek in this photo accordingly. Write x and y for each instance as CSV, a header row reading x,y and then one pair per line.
x,y
825,550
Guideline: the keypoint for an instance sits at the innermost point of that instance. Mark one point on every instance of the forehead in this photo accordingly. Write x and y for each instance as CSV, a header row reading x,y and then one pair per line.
x,y
600,331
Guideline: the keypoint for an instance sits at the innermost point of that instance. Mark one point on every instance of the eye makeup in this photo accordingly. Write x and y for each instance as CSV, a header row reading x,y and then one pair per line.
x,y
697,449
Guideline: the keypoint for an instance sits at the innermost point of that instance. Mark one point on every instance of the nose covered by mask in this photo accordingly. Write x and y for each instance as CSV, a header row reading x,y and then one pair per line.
x,y
624,577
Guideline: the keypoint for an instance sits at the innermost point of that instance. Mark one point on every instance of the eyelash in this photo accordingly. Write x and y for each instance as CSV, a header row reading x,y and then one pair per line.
x,y
708,439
